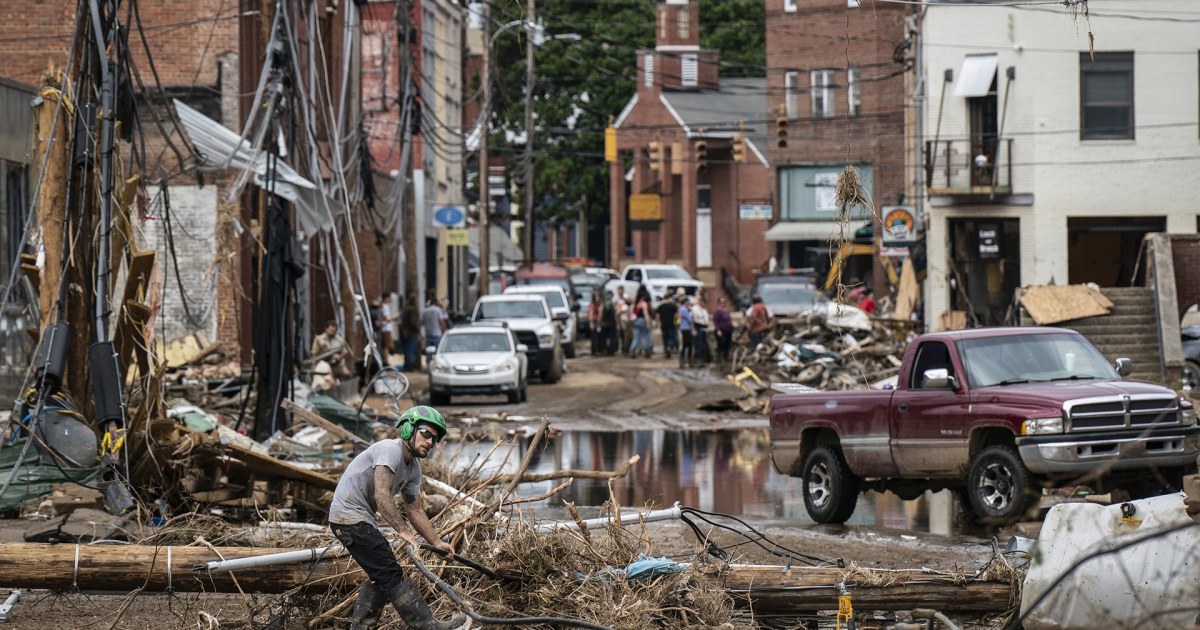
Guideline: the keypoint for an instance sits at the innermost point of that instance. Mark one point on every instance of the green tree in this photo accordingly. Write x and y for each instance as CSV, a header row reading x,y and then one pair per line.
x,y
580,85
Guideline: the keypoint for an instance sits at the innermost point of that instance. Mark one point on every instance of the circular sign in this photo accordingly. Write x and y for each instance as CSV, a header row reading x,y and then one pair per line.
x,y
898,224
448,216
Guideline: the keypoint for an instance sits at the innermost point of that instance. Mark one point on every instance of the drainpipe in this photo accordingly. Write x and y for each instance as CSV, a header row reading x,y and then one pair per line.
x,y
671,513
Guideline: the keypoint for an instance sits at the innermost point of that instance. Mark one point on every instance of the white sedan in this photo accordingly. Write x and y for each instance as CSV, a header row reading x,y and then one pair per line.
x,y
479,358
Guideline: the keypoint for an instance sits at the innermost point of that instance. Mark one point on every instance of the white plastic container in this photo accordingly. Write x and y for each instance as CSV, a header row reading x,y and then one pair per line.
x,y
1148,585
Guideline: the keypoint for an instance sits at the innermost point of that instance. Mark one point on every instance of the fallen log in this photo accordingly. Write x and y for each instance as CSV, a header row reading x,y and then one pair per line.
x,y
769,588
159,569
317,421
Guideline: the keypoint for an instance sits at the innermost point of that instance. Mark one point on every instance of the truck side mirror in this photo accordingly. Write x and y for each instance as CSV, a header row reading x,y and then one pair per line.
x,y
939,378
1124,366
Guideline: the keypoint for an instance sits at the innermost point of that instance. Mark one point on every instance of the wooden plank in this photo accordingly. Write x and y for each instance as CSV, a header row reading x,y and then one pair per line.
x,y
317,421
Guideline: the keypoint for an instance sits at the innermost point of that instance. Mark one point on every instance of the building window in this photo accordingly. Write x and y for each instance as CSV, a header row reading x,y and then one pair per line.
x,y
683,26
662,26
16,200
687,69
1106,96
854,91
789,6
853,4
648,69
791,94
822,93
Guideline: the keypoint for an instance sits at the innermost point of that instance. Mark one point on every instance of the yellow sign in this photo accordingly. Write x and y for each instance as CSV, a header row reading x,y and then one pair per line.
x,y
645,207
610,144
457,236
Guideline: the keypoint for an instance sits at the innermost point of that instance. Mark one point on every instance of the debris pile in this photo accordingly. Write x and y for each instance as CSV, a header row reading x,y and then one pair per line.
x,y
844,351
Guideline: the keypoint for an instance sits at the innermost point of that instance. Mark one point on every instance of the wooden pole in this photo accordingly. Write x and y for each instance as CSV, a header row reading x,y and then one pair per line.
x,y
52,202
768,588
157,569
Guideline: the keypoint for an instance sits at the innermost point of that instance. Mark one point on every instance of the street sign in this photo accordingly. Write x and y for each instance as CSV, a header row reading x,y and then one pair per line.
x,y
448,216
457,236
754,212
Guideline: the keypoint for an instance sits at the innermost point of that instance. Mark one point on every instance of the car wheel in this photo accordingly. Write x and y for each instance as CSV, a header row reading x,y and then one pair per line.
x,y
524,392
1191,376
437,399
830,489
554,374
998,486
570,350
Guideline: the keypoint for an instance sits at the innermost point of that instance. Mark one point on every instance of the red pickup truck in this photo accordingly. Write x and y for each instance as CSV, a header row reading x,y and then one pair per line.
x,y
993,413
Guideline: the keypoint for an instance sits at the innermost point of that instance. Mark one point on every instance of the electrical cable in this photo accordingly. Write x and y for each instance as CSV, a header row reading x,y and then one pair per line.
x,y
774,548
503,621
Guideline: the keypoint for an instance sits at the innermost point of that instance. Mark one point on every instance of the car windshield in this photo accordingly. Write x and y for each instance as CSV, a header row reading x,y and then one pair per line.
x,y
476,342
667,273
561,283
511,309
787,293
585,293
1011,359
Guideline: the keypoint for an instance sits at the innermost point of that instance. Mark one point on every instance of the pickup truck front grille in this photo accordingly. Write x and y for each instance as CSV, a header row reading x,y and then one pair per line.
x,y
1120,412
689,290
529,338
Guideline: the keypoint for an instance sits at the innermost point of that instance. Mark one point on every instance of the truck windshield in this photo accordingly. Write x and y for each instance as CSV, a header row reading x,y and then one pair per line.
x,y
667,273
1012,359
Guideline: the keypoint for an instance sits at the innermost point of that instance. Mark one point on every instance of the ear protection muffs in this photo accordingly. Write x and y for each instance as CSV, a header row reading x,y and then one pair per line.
x,y
406,430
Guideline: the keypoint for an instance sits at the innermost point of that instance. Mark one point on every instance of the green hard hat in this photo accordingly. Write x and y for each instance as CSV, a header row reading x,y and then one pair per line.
x,y
426,415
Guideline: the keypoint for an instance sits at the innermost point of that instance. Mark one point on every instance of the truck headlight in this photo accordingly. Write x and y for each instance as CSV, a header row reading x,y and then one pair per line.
x,y
1042,426
1187,415
546,339
440,364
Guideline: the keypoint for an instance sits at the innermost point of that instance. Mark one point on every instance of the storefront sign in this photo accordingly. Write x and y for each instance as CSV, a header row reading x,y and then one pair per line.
x,y
646,207
754,212
899,225
989,241
457,236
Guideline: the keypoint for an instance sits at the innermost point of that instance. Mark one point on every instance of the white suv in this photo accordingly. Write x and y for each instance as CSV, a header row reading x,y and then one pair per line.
x,y
529,317
561,307
483,358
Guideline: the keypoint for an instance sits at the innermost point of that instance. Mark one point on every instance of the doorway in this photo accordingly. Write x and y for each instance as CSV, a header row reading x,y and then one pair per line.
x,y
1105,250
985,270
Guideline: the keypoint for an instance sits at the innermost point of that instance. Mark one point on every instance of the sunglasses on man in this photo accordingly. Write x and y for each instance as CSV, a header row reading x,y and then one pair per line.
x,y
429,434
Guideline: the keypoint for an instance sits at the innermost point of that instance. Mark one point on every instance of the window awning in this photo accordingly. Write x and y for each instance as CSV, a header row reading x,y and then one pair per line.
x,y
807,231
975,78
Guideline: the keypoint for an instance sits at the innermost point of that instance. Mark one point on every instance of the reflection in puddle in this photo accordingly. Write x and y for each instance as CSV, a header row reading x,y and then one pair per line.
x,y
728,472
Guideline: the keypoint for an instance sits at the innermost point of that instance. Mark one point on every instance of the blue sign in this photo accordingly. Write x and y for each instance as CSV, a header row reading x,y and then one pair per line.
x,y
448,216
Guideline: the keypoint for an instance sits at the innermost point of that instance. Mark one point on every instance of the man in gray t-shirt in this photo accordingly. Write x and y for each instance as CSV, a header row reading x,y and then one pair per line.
x,y
369,485
434,322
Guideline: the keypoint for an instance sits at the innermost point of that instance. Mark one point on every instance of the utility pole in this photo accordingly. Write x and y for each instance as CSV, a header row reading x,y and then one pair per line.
x,y
484,171
529,179
412,283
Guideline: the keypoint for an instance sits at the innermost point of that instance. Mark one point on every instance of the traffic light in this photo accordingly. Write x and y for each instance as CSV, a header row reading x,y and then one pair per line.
x,y
701,154
781,128
656,155
739,147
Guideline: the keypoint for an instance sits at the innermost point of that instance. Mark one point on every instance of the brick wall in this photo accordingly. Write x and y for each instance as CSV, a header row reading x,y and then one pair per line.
x,y
1185,252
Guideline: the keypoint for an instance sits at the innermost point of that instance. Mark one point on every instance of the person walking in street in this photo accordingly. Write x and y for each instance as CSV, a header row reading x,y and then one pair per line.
x,y
388,342
624,332
434,322
666,314
594,309
370,485
410,328
722,321
700,323
332,348
642,343
608,325
758,321
686,329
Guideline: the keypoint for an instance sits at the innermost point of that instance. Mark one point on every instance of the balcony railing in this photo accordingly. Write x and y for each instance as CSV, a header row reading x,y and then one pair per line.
x,y
982,164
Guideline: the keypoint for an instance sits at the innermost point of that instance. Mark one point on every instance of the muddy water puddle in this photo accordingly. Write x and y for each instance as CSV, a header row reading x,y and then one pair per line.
x,y
728,472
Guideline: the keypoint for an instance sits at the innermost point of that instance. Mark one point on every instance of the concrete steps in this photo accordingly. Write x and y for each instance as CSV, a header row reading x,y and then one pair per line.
x,y
1130,330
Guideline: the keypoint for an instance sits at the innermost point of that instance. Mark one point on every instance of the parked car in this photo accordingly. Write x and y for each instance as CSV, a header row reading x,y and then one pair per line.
x,y
994,414
660,280
790,295
562,310
1191,355
480,358
529,317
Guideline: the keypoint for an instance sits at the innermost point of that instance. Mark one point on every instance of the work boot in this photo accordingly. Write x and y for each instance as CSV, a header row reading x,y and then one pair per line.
x,y
415,612
370,602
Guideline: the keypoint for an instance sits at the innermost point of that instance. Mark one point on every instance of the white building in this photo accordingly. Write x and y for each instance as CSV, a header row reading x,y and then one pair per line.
x,y
1045,164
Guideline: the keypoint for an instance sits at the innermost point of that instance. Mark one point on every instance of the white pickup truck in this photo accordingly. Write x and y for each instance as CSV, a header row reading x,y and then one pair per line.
x,y
660,280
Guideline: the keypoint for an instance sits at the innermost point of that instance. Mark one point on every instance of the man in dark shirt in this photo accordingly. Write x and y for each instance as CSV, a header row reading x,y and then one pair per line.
x,y
665,314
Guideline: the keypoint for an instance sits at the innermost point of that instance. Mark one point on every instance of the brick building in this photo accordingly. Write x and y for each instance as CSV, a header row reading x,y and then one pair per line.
x,y
835,97
690,184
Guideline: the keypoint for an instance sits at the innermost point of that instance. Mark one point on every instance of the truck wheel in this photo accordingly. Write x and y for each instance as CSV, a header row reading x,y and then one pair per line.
x,y
438,399
554,373
570,350
830,489
998,486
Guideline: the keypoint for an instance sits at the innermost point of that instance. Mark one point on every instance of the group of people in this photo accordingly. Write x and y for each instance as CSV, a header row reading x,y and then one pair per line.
x,y
622,325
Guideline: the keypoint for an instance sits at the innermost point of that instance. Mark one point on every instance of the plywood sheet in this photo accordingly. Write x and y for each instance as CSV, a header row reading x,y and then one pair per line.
x,y
1054,304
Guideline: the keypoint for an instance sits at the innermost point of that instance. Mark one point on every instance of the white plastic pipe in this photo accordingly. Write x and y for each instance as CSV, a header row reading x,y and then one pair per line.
x,y
627,518
7,606
286,557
